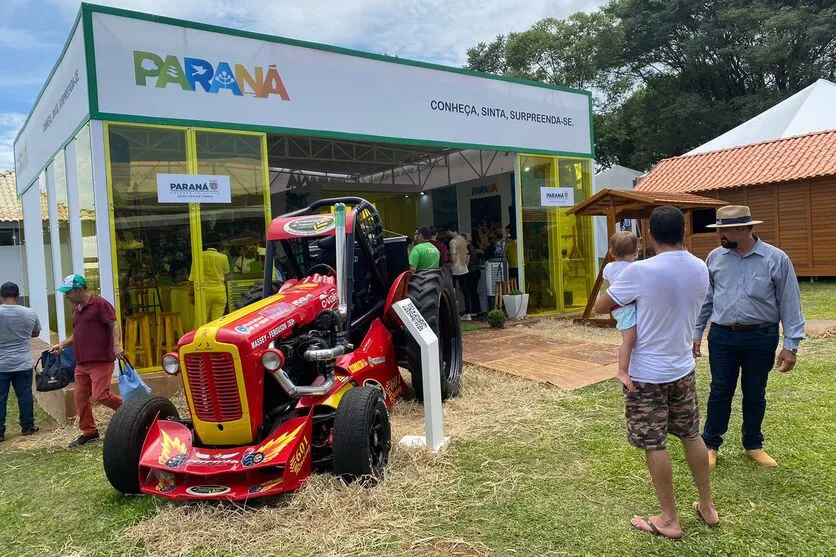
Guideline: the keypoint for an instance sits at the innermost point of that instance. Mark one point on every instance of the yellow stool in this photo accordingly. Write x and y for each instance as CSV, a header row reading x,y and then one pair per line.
x,y
138,341
502,288
169,332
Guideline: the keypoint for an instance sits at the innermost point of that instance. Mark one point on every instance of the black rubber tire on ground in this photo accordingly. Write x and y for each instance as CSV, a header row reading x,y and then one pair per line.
x,y
434,295
254,294
362,436
126,435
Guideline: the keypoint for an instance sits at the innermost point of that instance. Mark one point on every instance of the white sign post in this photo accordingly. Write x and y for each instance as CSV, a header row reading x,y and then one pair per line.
x,y
431,375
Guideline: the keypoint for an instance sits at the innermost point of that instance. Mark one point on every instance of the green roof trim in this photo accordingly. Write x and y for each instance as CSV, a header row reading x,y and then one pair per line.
x,y
90,58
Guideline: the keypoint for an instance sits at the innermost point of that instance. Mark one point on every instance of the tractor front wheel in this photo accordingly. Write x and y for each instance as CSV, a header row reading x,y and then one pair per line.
x,y
433,294
362,436
126,435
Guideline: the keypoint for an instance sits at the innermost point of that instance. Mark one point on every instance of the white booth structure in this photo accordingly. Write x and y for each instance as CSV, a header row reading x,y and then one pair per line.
x,y
155,139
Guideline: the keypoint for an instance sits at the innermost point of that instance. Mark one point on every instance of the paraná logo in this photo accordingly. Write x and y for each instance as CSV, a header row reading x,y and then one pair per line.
x,y
153,70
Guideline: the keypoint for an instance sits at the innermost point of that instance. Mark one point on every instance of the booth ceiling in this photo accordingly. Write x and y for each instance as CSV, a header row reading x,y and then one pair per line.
x,y
343,157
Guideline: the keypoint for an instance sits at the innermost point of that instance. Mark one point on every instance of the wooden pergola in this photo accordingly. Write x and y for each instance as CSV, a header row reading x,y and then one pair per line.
x,y
629,204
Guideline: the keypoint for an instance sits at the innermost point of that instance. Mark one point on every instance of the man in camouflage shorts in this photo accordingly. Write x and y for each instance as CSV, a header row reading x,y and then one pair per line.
x,y
653,410
660,390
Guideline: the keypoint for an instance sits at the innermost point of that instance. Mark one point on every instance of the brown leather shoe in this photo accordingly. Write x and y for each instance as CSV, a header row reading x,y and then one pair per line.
x,y
712,458
760,456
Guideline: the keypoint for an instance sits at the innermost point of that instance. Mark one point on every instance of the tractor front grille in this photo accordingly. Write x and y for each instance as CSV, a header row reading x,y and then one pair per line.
x,y
213,386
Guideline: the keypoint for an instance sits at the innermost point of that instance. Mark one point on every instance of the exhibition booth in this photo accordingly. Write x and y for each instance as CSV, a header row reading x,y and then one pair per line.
x,y
158,139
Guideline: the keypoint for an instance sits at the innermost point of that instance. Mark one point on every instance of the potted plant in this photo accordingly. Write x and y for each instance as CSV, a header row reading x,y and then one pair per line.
x,y
516,304
496,319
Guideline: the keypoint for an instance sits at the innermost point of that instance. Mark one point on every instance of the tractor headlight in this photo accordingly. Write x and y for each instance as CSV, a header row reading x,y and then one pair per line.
x,y
272,359
171,364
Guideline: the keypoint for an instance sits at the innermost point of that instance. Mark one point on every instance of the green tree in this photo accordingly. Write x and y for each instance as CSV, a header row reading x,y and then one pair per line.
x,y
668,75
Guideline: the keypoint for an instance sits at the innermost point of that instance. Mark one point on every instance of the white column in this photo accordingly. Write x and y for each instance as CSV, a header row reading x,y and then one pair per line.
x,y
74,205
35,263
55,246
103,210
517,193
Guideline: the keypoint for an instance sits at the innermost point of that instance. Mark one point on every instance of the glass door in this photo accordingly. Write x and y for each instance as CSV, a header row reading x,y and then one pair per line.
x,y
231,236
152,241
545,266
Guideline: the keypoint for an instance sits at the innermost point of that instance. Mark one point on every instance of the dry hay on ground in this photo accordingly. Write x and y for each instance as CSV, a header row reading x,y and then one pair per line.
x,y
328,518
565,329
59,437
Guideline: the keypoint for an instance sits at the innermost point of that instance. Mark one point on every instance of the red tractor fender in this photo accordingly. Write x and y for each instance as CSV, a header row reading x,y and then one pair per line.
x,y
396,293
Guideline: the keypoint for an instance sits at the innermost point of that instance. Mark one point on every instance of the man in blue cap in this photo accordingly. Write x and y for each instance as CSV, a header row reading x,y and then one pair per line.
x,y
97,342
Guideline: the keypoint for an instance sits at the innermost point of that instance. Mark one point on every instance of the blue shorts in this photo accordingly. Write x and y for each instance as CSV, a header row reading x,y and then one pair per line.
x,y
625,317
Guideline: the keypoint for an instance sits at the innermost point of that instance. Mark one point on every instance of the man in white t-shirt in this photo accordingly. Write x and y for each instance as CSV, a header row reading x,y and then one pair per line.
x,y
459,260
660,391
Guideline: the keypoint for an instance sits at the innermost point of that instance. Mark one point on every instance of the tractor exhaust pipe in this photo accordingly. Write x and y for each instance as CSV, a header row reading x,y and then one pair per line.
x,y
325,354
293,390
342,277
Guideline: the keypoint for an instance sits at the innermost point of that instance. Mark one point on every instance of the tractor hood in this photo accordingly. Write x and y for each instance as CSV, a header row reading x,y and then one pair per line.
x,y
221,362
275,317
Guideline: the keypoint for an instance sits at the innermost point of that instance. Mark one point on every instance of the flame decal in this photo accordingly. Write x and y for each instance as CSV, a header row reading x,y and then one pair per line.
x,y
272,448
271,484
171,447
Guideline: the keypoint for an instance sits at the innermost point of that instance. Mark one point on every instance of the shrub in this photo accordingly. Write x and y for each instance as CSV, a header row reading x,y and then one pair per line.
x,y
496,318
516,293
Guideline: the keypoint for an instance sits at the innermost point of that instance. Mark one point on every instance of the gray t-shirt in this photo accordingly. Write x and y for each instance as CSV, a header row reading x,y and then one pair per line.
x,y
17,325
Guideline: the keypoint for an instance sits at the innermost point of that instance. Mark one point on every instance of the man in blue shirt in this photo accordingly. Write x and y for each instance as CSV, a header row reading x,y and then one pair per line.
x,y
18,326
752,287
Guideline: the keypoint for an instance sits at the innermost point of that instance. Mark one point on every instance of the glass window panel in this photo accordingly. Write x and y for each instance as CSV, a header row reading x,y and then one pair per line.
x,y
50,278
558,249
87,207
577,244
236,231
153,240
63,212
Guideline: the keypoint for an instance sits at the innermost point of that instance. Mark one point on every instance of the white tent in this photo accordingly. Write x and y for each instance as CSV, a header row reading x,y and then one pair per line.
x,y
615,178
810,110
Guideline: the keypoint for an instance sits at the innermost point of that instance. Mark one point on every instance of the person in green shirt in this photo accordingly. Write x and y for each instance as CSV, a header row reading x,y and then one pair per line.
x,y
424,254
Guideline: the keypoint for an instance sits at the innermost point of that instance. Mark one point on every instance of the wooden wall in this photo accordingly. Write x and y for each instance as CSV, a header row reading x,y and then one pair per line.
x,y
799,218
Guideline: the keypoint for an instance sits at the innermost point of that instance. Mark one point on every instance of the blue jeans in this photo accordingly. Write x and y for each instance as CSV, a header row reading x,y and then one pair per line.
x,y
22,382
750,354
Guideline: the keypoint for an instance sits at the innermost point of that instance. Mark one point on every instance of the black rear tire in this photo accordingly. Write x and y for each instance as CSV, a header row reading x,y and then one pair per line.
x,y
254,294
433,294
362,436
125,436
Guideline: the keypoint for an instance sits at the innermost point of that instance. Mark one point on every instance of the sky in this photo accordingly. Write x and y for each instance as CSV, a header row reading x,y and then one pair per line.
x,y
33,32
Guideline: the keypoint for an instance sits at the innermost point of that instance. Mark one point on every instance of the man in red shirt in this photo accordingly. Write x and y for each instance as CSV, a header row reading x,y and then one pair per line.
x,y
97,342
445,254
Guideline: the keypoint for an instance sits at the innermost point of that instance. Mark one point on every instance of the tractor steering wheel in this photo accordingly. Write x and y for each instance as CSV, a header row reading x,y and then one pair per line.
x,y
324,269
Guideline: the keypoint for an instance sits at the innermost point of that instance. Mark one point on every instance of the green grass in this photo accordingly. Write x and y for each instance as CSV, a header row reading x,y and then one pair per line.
x,y
818,299
570,491
580,488
465,327
559,480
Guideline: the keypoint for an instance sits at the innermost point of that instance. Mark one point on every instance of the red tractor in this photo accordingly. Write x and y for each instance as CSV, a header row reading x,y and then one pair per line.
x,y
299,379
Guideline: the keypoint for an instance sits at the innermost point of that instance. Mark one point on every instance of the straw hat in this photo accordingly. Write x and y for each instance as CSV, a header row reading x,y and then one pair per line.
x,y
733,215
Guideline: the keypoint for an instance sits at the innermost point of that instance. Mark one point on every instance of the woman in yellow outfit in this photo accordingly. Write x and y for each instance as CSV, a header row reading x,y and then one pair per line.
x,y
215,269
